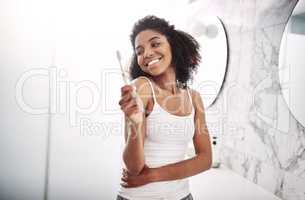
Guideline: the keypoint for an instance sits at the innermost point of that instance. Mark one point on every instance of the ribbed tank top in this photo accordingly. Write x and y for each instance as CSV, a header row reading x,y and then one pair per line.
x,y
167,138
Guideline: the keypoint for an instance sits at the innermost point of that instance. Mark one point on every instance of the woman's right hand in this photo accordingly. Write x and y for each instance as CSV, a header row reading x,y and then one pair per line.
x,y
131,105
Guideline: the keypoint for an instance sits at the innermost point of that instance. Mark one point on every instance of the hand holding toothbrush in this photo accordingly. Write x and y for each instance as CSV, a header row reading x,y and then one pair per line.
x,y
130,102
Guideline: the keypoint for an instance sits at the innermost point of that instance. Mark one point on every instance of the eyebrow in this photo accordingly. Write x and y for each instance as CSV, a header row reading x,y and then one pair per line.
x,y
155,37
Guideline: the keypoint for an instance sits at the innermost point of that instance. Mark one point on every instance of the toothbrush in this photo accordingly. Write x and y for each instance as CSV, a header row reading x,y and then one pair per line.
x,y
124,74
125,77
138,119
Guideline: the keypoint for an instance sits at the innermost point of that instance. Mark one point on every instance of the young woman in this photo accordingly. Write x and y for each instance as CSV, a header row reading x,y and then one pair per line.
x,y
172,115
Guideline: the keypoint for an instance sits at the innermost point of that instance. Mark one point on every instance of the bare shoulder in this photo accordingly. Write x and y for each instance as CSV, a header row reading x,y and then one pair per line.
x,y
143,88
194,93
142,85
197,100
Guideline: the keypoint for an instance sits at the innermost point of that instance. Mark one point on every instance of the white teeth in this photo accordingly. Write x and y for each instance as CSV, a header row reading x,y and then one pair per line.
x,y
153,62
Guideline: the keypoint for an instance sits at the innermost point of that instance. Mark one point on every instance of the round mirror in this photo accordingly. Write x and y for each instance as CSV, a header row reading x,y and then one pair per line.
x,y
292,62
210,33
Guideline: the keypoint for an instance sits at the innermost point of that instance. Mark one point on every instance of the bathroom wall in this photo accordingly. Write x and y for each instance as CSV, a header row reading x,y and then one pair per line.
x,y
259,138
25,55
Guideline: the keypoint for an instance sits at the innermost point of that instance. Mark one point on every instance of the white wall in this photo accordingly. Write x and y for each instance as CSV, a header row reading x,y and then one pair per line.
x,y
67,48
25,52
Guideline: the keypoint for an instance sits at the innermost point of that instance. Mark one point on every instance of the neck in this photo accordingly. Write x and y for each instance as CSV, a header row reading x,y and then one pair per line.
x,y
167,81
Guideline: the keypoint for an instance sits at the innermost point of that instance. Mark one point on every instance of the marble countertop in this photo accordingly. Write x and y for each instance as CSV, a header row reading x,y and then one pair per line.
x,y
222,183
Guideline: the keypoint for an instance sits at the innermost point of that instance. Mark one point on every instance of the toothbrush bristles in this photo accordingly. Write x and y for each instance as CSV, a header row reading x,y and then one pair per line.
x,y
118,54
124,73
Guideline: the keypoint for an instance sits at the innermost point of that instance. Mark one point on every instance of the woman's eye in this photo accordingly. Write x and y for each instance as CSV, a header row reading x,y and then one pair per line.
x,y
138,53
156,44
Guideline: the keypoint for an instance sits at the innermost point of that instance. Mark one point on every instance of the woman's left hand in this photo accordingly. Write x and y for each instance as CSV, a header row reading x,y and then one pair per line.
x,y
143,178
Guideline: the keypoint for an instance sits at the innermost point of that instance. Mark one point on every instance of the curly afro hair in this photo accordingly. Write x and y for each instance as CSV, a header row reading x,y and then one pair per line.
x,y
184,48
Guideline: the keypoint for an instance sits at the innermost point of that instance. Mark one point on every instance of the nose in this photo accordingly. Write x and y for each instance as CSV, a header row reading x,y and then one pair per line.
x,y
148,53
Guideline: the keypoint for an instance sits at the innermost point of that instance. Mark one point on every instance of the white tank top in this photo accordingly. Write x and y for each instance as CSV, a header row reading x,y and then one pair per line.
x,y
167,138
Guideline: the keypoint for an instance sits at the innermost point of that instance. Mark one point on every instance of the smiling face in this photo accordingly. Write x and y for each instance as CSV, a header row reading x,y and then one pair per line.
x,y
153,52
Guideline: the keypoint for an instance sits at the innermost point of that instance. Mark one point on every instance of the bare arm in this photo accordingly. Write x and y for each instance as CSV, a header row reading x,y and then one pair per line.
x,y
203,158
133,154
